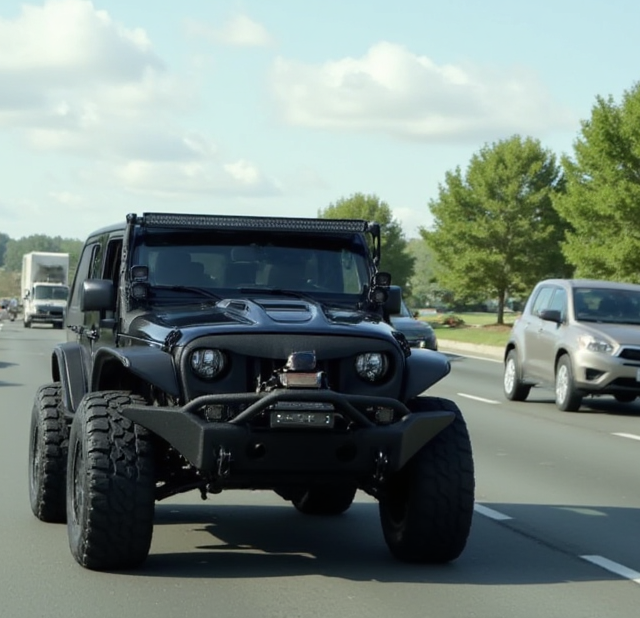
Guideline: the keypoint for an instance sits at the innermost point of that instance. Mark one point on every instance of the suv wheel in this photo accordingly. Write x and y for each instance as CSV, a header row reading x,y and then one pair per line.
x,y
325,499
110,484
426,508
568,398
48,440
514,389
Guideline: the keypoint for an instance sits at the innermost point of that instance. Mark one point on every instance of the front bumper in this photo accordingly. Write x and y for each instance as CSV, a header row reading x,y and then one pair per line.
x,y
46,317
602,374
238,449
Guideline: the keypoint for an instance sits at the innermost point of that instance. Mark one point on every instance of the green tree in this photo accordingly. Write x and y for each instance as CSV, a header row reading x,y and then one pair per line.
x,y
395,259
602,200
40,242
424,289
495,229
4,239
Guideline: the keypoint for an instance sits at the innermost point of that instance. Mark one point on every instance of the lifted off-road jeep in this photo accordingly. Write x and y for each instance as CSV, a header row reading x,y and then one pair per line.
x,y
221,352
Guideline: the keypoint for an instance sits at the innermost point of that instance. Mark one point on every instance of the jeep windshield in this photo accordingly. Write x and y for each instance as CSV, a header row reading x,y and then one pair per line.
x,y
329,268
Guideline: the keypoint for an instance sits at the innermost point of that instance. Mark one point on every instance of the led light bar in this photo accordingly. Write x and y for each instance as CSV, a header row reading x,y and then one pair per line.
x,y
231,222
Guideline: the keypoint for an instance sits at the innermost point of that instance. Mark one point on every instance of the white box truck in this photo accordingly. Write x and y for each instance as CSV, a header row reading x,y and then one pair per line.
x,y
45,287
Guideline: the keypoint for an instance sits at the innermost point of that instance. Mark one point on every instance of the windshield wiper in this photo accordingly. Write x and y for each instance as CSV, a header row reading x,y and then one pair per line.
x,y
186,288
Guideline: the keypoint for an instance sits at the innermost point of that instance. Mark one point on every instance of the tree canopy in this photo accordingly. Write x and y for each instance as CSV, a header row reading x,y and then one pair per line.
x,y
602,199
395,258
40,242
496,232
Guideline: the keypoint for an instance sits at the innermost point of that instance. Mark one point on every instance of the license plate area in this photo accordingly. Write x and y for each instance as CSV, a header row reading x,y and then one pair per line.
x,y
302,414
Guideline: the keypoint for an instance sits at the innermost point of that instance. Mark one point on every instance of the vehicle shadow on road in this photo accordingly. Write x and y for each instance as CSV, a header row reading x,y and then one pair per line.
x,y
254,541
590,405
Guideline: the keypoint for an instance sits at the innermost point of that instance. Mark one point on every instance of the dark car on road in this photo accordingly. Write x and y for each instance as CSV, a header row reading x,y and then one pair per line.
x,y
419,334
210,352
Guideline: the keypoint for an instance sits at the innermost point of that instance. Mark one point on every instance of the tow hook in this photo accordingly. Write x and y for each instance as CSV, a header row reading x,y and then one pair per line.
x,y
224,463
382,467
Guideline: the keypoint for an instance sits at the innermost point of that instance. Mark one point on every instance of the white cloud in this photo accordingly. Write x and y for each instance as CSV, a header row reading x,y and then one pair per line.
x,y
67,42
394,91
170,180
239,31
68,68
74,81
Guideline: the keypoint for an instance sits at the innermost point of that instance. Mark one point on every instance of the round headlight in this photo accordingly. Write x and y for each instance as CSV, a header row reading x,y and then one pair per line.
x,y
372,366
207,363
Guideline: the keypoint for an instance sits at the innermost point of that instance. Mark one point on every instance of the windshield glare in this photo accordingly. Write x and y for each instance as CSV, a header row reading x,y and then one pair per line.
x,y
317,265
605,305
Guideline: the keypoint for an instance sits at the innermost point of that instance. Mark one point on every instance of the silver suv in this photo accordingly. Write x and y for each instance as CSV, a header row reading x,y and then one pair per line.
x,y
580,336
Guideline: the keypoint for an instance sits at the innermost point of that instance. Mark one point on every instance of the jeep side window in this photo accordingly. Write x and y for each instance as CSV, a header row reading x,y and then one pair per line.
x,y
87,262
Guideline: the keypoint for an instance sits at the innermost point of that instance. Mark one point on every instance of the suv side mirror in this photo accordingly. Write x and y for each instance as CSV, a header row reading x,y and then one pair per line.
x,y
97,295
551,315
394,300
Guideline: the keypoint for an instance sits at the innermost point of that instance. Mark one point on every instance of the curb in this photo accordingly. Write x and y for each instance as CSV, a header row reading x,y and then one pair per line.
x,y
492,351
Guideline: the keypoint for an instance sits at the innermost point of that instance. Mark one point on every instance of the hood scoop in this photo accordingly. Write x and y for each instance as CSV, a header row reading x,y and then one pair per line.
x,y
287,310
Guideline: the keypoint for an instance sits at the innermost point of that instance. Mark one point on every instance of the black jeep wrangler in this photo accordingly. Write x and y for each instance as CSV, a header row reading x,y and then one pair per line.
x,y
220,352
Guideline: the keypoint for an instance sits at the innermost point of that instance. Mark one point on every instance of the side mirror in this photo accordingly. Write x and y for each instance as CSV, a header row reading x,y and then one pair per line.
x,y
394,300
551,315
97,295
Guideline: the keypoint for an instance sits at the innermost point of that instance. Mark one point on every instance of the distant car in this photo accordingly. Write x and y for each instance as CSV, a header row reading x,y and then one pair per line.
x,y
419,334
580,336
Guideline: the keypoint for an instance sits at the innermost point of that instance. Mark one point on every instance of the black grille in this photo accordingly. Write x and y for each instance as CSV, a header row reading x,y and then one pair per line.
x,y
630,354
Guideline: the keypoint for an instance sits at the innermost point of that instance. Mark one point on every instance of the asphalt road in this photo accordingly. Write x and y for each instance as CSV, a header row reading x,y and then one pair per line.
x,y
555,534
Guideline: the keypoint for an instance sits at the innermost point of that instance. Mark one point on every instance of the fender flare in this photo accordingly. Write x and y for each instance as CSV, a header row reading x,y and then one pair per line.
x,y
68,366
152,365
424,369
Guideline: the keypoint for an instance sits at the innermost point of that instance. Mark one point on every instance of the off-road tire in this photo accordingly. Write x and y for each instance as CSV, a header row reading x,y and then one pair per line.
x,y
48,442
110,484
514,389
568,398
325,499
426,508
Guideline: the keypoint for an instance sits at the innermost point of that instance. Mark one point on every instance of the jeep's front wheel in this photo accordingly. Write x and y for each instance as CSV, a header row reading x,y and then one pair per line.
x,y
325,499
48,440
110,484
426,508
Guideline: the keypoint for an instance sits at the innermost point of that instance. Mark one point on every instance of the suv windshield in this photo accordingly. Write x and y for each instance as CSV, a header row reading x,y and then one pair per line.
x,y
234,261
607,305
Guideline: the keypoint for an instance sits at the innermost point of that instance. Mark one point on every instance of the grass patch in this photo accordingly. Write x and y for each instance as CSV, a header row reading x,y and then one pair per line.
x,y
477,328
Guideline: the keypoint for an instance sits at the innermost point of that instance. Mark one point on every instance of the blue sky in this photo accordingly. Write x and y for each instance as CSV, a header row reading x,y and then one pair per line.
x,y
282,107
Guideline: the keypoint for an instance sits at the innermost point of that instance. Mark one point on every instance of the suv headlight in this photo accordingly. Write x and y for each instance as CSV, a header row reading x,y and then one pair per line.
x,y
207,363
591,343
372,366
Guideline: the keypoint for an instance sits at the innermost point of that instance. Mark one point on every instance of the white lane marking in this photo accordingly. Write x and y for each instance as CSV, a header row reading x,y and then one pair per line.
x,y
487,512
614,567
631,436
482,399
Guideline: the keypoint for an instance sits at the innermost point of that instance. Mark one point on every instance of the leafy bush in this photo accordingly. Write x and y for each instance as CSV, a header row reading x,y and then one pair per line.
x,y
451,320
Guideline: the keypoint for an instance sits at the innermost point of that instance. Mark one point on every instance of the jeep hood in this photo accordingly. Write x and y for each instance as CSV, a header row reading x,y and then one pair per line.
x,y
270,314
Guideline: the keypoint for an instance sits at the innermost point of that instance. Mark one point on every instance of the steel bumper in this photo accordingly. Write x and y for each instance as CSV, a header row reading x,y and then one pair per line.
x,y
254,450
